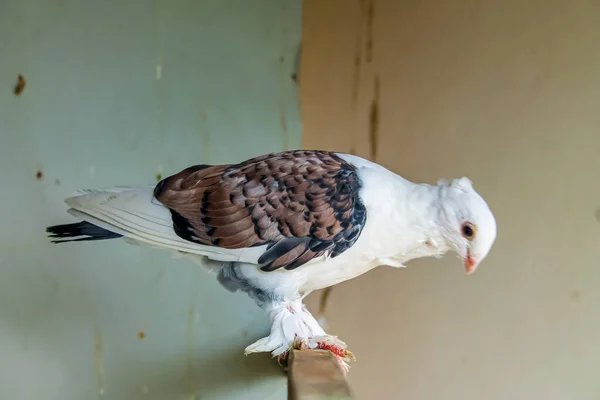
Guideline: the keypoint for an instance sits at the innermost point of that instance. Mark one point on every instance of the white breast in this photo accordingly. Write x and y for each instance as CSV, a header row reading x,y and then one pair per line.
x,y
328,272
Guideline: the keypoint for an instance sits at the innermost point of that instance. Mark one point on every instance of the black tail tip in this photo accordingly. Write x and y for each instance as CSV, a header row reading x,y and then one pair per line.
x,y
79,232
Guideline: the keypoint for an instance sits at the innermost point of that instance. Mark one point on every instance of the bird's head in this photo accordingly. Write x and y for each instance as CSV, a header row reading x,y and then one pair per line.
x,y
468,223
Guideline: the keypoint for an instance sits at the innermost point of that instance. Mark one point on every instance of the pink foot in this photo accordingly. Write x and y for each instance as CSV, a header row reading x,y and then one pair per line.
x,y
336,347
341,354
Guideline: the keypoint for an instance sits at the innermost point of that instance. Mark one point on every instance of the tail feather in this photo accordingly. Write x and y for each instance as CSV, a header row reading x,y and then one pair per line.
x,y
132,213
79,232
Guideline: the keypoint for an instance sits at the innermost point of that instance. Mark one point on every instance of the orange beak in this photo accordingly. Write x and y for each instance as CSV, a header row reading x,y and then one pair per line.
x,y
470,264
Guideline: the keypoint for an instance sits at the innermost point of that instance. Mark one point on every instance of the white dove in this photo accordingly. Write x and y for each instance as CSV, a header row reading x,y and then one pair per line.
x,y
280,226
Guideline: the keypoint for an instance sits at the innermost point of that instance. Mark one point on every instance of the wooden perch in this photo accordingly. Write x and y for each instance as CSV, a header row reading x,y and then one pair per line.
x,y
315,374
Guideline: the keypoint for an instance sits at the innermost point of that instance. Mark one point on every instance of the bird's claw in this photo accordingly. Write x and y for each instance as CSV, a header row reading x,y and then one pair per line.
x,y
331,343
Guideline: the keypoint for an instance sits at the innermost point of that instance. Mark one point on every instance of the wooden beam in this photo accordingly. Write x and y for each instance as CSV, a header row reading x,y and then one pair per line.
x,y
315,374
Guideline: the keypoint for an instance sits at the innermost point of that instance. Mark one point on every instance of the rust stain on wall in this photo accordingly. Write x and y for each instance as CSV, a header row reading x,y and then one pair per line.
x,y
374,119
20,86
370,21
297,63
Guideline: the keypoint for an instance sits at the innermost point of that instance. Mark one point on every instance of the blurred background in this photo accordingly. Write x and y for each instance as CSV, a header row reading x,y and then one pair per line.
x,y
122,93
507,93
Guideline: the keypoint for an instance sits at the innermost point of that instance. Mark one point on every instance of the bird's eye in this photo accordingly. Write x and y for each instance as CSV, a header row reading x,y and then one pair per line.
x,y
468,230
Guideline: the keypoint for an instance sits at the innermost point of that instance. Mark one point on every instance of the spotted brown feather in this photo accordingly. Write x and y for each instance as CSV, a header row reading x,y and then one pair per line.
x,y
301,204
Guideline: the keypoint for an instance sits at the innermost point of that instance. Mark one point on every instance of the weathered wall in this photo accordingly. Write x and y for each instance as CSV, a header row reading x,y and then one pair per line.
x,y
117,93
507,93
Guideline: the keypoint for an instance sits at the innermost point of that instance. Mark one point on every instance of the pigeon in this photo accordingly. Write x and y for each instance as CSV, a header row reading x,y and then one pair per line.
x,y
282,225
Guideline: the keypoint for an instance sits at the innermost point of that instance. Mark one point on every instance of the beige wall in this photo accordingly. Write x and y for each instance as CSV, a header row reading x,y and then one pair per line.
x,y
507,93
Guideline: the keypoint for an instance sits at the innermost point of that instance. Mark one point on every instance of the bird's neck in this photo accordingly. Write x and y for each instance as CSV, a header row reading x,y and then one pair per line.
x,y
410,225
427,220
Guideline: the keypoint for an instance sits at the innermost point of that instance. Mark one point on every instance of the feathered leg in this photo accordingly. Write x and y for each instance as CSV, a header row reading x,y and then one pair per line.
x,y
294,327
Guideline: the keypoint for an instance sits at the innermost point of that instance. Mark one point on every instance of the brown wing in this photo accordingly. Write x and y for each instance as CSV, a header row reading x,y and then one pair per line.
x,y
299,203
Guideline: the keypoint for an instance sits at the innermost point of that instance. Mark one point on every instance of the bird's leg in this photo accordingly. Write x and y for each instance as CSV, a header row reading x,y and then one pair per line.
x,y
294,327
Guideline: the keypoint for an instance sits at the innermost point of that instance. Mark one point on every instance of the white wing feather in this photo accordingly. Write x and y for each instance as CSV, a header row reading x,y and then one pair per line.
x,y
134,213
